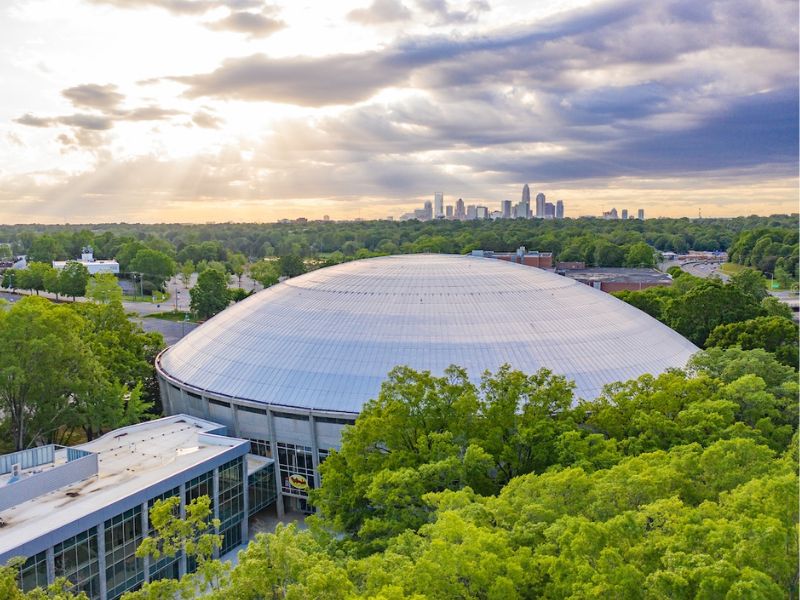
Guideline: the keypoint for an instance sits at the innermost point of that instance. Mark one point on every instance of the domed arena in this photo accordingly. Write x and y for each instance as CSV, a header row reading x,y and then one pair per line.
x,y
289,366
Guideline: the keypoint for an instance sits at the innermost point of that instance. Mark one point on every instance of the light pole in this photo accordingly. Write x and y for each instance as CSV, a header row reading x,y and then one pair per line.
x,y
177,293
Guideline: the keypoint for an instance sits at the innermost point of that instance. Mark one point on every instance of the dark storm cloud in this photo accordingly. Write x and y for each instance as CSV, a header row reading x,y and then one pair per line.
x,y
92,95
380,12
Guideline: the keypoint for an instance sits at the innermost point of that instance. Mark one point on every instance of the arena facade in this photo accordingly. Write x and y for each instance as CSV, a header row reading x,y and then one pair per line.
x,y
290,366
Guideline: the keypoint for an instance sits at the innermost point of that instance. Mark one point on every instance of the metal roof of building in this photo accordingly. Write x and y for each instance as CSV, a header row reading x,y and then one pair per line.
x,y
327,339
619,275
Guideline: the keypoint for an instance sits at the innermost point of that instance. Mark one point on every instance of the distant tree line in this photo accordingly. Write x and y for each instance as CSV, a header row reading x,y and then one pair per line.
x,y
711,313
594,241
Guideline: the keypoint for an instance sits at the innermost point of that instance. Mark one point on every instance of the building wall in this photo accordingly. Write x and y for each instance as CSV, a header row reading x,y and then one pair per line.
x,y
298,440
619,286
100,558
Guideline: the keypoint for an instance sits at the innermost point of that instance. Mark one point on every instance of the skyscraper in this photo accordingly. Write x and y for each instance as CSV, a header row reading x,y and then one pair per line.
x,y
505,209
640,214
624,214
449,211
460,213
428,210
540,202
560,209
526,200
472,212
549,210
438,205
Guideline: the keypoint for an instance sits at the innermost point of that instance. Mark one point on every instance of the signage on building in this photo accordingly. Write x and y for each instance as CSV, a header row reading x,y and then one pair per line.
x,y
299,482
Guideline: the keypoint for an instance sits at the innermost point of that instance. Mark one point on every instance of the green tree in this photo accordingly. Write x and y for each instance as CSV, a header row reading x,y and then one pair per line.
x,y
35,337
35,277
189,536
291,265
607,254
709,304
774,334
104,287
156,266
46,249
10,279
751,283
73,279
210,295
187,270
640,255
264,272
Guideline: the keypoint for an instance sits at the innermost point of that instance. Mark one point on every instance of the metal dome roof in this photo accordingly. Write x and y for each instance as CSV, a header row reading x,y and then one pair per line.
x,y
327,339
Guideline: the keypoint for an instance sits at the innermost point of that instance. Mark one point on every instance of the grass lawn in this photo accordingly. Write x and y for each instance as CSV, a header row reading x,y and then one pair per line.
x,y
731,268
172,316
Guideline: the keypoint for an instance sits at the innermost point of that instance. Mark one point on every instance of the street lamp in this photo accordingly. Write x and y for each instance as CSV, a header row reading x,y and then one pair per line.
x,y
177,293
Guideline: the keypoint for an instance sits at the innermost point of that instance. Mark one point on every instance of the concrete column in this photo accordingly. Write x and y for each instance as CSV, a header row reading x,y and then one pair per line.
x,y
312,427
51,565
182,561
145,528
274,447
237,430
101,559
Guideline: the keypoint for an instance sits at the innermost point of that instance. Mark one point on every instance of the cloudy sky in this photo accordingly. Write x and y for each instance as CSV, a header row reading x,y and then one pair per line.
x,y
245,110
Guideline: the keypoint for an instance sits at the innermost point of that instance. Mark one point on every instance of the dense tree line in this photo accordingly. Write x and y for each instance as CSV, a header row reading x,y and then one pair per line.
x,y
70,368
773,250
678,486
712,313
595,241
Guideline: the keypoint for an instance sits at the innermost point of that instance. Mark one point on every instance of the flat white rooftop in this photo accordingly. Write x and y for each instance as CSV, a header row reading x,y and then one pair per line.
x,y
130,459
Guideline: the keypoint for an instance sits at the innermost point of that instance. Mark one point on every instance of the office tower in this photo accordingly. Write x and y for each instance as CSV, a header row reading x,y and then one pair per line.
x,y
505,209
526,194
540,202
428,210
449,211
472,212
481,212
560,209
624,214
640,214
438,205
549,210
460,214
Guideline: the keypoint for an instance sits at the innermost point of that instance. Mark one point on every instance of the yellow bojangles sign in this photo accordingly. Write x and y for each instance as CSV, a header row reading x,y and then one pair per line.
x,y
299,482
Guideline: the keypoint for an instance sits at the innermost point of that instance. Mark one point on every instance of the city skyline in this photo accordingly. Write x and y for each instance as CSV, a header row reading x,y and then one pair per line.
x,y
219,110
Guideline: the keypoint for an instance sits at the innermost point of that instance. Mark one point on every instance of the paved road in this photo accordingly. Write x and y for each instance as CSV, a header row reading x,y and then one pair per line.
x,y
702,269
171,330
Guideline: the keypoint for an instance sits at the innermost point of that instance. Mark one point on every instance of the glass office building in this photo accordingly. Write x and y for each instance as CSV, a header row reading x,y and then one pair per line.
x,y
81,513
